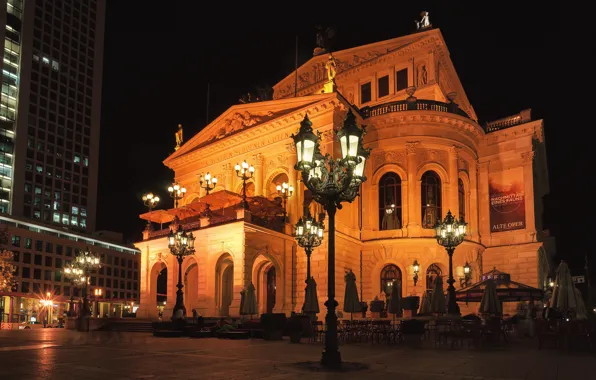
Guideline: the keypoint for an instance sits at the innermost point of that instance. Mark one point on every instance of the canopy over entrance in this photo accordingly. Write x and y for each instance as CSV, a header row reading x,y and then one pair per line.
x,y
507,290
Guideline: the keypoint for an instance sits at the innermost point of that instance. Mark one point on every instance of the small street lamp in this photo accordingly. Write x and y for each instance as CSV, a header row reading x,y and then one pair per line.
x,y
97,293
463,282
181,245
210,182
309,235
151,202
177,192
285,191
450,234
416,267
79,272
331,181
244,172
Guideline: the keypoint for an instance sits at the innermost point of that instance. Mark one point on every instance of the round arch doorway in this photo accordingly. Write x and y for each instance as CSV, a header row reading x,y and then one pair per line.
x,y
271,289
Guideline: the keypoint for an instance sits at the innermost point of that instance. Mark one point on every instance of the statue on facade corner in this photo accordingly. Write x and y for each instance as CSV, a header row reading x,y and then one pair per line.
x,y
424,21
331,67
179,137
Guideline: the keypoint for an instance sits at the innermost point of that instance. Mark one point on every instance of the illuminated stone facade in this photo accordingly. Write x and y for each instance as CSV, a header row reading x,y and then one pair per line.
x,y
429,155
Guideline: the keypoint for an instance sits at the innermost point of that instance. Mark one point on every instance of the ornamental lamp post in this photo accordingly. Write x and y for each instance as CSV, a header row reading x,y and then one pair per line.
x,y
181,245
463,282
331,181
449,234
245,172
177,192
210,182
79,273
309,235
285,191
151,202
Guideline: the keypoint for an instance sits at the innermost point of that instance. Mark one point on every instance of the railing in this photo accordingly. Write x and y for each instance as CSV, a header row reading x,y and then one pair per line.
x,y
507,122
412,104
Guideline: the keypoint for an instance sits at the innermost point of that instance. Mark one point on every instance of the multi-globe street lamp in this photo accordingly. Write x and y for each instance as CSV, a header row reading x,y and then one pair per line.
x,y
331,181
464,281
309,235
177,192
209,182
245,172
181,244
79,271
416,267
449,234
285,191
151,202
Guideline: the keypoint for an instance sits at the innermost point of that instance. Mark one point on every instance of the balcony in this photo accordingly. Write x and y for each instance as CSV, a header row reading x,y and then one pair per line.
x,y
412,104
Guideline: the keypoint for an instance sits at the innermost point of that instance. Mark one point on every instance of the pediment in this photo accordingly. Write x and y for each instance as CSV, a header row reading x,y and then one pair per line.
x,y
313,71
243,117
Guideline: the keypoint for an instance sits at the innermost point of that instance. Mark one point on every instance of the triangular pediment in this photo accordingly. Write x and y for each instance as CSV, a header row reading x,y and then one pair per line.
x,y
243,117
313,71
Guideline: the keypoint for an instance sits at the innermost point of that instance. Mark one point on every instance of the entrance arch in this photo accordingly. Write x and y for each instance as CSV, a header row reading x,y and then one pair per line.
x,y
271,289
191,285
157,289
266,277
224,284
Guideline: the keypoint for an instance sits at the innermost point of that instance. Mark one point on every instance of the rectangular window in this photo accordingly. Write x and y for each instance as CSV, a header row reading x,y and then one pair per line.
x,y
37,260
365,93
16,241
401,80
383,86
38,245
28,243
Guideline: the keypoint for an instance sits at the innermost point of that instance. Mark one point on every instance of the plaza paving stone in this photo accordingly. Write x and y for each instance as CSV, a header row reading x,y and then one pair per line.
x,y
63,354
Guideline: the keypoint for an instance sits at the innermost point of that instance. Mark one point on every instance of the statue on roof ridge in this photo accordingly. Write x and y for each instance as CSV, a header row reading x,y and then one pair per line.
x,y
424,21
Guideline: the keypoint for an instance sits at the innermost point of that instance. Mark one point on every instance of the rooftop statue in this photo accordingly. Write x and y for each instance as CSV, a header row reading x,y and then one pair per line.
x,y
424,21
179,137
324,40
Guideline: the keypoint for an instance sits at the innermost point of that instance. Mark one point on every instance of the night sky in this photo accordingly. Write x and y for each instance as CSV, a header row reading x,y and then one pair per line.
x,y
159,60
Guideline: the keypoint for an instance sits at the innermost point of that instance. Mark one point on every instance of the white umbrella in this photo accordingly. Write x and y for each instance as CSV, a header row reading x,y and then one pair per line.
x,y
424,304
394,306
437,299
311,300
563,298
580,312
351,301
250,301
490,304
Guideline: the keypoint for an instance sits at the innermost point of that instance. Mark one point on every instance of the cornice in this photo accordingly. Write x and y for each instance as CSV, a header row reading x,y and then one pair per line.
x,y
253,138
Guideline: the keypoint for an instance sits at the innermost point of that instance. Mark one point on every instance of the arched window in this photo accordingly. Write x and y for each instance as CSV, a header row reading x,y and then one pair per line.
x,y
390,202
278,180
389,274
432,273
461,198
431,199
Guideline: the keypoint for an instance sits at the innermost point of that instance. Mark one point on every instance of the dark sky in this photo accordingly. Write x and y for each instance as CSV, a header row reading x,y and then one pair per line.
x,y
159,61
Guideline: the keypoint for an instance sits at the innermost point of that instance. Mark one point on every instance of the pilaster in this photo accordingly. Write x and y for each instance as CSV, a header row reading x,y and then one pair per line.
x,y
483,207
228,176
452,191
414,217
473,200
527,162
258,175
293,209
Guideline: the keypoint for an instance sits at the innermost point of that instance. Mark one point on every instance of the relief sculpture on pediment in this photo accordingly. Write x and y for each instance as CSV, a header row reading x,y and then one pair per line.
x,y
239,121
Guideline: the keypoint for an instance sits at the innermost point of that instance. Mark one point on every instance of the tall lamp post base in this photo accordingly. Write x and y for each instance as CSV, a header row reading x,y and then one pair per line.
x,y
331,359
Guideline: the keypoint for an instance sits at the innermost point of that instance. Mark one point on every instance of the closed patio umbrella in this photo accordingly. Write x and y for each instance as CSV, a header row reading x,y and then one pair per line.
x,y
242,297
311,300
563,298
580,312
490,304
437,299
424,304
394,306
250,301
351,301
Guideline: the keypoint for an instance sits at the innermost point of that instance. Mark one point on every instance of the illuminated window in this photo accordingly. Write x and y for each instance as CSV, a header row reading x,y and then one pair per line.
x,y
432,273
390,215
390,274
431,199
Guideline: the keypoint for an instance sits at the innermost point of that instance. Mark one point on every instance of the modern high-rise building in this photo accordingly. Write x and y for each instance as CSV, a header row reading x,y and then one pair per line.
x,y
51,65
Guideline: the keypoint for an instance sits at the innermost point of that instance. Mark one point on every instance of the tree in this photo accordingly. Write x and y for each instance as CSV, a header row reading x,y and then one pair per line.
x,y
6,270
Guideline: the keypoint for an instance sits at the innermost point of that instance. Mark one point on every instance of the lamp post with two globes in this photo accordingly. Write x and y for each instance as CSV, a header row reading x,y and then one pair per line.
x,y
209,182
285,191
331,181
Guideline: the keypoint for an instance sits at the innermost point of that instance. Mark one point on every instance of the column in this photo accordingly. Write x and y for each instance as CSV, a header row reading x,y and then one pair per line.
x,y
473,200
453,201
145,303
527,161
414,216
258,176
484,205
293,209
